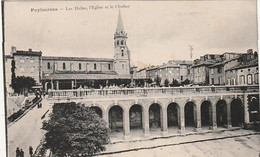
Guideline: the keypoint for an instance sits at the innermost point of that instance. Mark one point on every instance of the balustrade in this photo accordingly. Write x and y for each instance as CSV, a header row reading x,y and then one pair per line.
x,y
149,91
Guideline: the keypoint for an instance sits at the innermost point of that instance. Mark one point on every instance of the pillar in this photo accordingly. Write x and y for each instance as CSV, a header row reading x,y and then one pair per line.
x,y
229,124
126,125
246,112
57,85
105,117
72,84
198,118
164,122
182,120
146,122
214,118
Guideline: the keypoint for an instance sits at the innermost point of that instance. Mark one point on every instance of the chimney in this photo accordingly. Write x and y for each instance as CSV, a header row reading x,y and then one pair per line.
x,y
30,50
13,50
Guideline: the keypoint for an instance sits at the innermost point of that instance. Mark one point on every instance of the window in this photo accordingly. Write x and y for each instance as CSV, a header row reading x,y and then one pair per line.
x,y
181,77
64,66
219,69
109,67
212,80
95,66
117,43
242,79
123,66
248,69
249,79
122,54
256,78
122,42
48,65
79,66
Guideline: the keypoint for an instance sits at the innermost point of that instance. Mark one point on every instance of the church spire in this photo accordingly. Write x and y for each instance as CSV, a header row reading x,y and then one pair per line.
x,y
120,26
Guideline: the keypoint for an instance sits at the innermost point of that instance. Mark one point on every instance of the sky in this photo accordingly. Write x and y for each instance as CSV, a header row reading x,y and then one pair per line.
x,y
157,31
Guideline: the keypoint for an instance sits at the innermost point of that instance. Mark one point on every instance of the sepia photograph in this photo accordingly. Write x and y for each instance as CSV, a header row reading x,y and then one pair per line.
x,y
131,78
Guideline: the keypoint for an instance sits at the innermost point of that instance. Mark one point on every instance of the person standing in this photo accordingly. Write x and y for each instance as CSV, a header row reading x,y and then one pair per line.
x,y
17,152
30,151
21,153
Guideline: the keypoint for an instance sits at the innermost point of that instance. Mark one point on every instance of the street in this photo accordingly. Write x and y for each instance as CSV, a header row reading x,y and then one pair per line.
x,y
27,131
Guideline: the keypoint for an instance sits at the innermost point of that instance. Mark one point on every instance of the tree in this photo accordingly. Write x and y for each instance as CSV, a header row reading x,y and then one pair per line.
x,y
75,130
175,83
185,82
21,84
166,82
13,75
157,80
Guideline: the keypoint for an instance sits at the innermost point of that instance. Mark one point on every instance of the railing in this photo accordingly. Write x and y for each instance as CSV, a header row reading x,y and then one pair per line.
x,y
83,93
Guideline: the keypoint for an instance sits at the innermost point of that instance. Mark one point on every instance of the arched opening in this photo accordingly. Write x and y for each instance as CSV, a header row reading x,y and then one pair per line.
x,y
253,105
206,114
97,110
135,117
173,111
116,118
221,113
190,114
237,113
155,116
48,86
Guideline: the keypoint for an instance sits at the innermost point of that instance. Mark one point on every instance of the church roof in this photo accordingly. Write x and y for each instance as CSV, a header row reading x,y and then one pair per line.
x,y
76,58
120,26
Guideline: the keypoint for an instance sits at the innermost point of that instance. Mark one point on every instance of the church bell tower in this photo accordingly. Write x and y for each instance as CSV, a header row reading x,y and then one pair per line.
x,y
122,54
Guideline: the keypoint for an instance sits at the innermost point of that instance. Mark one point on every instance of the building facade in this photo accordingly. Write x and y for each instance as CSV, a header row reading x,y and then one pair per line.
x,y
71,72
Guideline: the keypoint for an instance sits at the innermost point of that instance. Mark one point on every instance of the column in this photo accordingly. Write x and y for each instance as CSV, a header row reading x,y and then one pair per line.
x,y
72,84
229,125
146,122
126,125
164,122
214,118
198,119
57,85
105,117
246,112
182,120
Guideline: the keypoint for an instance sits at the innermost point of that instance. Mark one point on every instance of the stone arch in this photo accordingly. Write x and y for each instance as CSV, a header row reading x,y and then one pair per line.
x,y
136,116
254,108
206,110
155,115
173,114
48,85
115,118
237,112
98,110
190,113
221,112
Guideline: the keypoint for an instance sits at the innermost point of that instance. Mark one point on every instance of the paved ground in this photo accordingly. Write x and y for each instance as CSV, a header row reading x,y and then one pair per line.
x,y
27,131
242,144
239,143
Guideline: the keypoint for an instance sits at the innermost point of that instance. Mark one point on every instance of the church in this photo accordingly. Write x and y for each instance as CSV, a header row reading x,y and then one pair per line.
x,y
73,72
